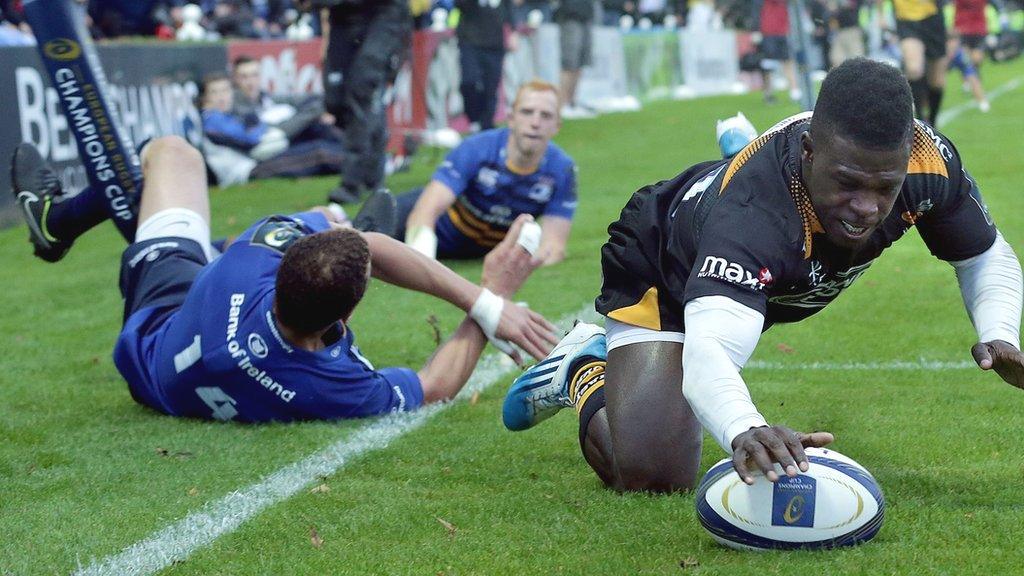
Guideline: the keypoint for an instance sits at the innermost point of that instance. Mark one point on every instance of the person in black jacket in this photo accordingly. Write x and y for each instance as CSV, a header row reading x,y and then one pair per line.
x,y
366,42
481,34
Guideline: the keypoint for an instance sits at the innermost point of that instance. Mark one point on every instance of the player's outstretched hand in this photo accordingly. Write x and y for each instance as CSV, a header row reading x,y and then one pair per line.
x,y
506,267
1002,357
508,264
526,329
760,448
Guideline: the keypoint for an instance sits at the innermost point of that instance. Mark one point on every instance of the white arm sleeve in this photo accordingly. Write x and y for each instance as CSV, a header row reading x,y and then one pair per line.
x,y
991,286
721,334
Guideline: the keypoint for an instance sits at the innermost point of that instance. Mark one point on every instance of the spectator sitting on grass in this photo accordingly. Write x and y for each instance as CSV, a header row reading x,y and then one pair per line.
x,y
239,147
301,116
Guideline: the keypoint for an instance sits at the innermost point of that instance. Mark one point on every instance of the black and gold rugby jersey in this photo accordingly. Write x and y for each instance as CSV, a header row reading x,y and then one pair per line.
x,y
746,229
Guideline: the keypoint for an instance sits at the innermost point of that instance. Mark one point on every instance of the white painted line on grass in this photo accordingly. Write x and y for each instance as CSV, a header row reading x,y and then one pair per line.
x,y
921,365
179,540
947,116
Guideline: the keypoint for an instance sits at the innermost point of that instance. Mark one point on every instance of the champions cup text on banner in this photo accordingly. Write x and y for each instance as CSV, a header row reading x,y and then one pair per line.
x,y
112,166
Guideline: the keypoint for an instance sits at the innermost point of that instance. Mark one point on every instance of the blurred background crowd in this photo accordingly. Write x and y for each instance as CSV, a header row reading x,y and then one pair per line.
x,y
250,133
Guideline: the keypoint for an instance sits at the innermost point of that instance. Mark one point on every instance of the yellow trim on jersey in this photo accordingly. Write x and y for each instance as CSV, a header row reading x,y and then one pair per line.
x,y
924,155
644,313
519,171
741,158
914,10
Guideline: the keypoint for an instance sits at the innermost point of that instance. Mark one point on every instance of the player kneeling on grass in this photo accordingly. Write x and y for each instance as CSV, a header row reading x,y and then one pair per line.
x,y
490,179
261,332
728,248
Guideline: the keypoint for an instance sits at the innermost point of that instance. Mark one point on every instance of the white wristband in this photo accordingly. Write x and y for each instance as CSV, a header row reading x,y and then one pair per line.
x,y
486,312
423,240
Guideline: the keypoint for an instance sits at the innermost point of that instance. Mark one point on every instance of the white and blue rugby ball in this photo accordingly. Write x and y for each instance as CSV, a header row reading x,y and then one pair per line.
x,y
837,502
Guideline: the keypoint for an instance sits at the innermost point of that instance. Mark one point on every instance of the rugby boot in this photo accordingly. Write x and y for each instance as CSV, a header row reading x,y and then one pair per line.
x,y
36,187
378,214
544,389
345,195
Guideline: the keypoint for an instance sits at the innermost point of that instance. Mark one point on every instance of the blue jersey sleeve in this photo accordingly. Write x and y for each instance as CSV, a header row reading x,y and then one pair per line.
x,y
358,395
393,390
563,201
461,165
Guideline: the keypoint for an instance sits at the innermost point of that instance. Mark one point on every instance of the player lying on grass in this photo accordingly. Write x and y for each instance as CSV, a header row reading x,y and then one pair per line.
x,y
261,332
728,248
492,178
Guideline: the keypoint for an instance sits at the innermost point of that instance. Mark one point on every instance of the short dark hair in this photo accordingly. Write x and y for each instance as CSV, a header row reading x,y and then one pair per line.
x,y
243,59
866,101
210,78
321,279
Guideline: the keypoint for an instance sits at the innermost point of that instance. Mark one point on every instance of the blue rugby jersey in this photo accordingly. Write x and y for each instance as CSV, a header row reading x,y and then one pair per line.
x,y
489,196
221,356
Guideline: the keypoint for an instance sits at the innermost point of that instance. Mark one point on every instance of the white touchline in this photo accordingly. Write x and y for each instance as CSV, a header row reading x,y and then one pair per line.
x,y
179,540
922,364
947,116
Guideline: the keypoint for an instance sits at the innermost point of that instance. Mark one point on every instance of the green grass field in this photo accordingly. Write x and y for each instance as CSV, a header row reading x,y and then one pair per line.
x,y
86,473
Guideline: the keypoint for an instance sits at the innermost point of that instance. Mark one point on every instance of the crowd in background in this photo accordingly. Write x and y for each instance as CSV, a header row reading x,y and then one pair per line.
x,y
240,122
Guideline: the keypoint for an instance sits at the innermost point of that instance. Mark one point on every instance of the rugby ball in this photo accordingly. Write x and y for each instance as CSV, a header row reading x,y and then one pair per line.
x,y
835,503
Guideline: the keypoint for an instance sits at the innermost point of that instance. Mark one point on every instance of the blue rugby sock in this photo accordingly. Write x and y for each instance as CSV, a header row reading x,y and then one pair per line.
x,y
72,216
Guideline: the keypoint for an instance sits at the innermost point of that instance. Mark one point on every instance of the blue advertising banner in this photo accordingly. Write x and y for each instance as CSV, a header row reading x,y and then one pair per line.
x,y
152,88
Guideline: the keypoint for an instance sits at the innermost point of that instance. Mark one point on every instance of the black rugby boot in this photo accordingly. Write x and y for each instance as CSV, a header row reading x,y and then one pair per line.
x,y
36,187
378,214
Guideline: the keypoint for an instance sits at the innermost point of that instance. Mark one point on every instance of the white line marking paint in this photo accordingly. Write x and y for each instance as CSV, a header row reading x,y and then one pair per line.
x,y
947,116
179,540
922,365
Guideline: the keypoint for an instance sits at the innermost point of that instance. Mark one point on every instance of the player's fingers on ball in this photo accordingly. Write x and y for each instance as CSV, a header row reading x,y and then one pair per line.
x,y
779,452
764,462
788,451
739,462
796,450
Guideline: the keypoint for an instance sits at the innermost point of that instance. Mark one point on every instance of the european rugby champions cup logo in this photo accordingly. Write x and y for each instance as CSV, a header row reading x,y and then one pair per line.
x,y
62,49
793,501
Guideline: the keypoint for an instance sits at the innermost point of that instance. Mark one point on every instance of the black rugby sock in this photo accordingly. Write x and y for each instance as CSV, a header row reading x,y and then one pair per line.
x,y
934,103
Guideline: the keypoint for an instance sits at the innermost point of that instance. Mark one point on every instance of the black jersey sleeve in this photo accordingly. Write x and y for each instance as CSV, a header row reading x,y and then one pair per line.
x,y
954,221
744,252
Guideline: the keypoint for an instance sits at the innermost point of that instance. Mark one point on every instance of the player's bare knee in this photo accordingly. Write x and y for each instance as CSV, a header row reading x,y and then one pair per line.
x,y
656,479
171,149
654,476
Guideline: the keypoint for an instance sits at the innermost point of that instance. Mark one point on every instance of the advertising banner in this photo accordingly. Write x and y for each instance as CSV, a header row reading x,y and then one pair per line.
x,y
710,61
153,88
653,68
